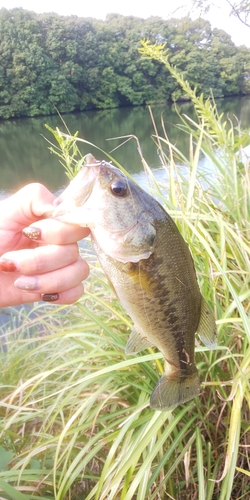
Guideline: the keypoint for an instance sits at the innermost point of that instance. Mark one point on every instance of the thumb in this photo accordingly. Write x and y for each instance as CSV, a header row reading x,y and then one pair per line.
x,y
29,204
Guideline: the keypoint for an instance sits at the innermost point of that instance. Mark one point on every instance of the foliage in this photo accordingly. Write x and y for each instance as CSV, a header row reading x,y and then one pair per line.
x,y
75,421
51,63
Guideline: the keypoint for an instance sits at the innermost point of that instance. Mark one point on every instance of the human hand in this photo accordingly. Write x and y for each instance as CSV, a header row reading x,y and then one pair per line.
x,y
45,264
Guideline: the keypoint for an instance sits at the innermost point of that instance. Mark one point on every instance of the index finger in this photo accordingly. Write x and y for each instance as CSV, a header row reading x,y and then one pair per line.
x,y
52,231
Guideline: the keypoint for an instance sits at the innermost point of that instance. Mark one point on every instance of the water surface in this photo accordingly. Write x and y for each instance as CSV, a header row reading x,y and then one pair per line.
x,y
25,157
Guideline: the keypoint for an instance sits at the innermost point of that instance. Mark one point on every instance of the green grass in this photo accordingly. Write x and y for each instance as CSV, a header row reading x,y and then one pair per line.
x,y
75,421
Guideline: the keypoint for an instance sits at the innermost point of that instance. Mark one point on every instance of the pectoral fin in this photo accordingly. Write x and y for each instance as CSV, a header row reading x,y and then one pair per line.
x,y
141,277
136,342
207,328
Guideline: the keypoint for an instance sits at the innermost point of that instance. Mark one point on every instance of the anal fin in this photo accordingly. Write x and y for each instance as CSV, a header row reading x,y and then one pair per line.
x,y
136,342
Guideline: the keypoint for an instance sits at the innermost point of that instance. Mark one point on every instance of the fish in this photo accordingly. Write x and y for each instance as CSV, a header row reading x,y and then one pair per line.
x,y
150,267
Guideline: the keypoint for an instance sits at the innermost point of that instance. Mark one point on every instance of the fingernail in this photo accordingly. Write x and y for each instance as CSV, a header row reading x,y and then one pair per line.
x,y
33,233
50,297
29,283
8,266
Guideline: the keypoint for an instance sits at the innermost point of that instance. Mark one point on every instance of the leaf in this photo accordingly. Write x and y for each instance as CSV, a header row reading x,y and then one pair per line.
x,y
12,492
5,457
247,472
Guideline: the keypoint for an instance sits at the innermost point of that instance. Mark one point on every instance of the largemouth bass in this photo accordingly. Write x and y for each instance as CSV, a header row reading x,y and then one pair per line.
x,y
150,267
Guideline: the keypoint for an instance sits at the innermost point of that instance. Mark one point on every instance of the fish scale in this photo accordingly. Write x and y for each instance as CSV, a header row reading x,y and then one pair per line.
x,y
151,270
159,300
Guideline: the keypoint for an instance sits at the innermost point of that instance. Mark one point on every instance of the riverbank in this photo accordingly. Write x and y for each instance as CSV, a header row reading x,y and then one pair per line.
x,y
76,418
76,64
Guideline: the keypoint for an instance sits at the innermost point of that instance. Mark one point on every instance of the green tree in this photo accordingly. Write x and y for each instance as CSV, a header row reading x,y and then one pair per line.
x,y
50,62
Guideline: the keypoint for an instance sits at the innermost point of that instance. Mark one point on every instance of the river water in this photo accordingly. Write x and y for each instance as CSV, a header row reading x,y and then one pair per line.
x,y
25,157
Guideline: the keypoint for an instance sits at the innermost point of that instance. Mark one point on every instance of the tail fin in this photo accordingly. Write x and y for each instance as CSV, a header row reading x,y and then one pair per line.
x,y
175,388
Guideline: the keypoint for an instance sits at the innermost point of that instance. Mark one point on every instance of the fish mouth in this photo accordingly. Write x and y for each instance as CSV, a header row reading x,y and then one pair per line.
x,y
79,189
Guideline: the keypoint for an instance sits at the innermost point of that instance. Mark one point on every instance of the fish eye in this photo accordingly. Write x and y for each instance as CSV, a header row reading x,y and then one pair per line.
x,y
119,187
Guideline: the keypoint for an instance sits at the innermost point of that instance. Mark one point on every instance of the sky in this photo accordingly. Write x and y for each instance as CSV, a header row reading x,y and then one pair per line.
x,y
218,15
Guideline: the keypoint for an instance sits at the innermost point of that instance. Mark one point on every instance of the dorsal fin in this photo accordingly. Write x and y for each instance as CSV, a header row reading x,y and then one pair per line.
x,y
207,328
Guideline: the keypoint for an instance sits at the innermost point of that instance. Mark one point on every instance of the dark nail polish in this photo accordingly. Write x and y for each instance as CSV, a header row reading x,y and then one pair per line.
x,y
33,233
50,297
8,266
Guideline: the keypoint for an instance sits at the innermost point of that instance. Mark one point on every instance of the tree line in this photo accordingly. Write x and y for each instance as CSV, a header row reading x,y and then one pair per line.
x,y
50,62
